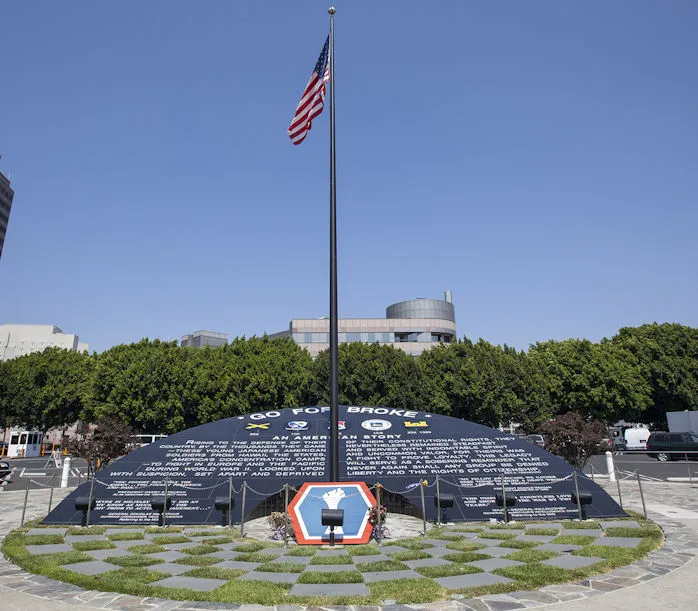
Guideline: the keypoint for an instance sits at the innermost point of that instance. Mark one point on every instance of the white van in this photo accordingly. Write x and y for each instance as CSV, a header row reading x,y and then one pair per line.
x,y
636,439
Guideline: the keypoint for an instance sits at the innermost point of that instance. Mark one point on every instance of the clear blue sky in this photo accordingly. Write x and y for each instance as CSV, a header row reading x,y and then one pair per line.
x,y
540,159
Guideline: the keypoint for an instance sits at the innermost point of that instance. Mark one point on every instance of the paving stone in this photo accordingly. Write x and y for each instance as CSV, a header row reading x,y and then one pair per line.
x,y
496,552
92,567
619,524
572,562
395,549
471,580
365,559
79,538
273,577
190,583
178,546
237,564
584,532
101,554
271,551
125,544
549,526
225,555
167,556
438,552
389,575
512,531
53,548
487,542
559,547
47,531
618,541
329,589
332,552
329,568
171,568
536,538
436,542
494,563
118,531
413,564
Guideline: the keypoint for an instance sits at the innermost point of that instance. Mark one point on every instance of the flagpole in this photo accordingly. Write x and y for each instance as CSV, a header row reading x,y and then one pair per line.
x,y
334,331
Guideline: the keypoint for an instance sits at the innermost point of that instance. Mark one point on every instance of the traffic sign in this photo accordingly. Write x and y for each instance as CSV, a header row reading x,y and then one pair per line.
x,y
306,508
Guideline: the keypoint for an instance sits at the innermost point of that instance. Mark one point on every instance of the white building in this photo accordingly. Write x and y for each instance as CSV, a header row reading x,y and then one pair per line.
x,y
18,340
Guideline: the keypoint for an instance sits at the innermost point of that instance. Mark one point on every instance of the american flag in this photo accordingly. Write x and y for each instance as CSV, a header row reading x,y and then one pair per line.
x,y
313,98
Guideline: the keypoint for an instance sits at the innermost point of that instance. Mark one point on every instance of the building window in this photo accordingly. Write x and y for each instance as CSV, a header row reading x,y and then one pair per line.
x,y
406,337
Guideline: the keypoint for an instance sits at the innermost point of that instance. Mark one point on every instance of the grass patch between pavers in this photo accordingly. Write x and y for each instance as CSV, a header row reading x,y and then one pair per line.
x,y
198,560
146,548
412,554
213,572
43,539
574,539
301,551
252,546
447,570
337,577
164,530
582,525
462,557
201,550
531,555
281,567
363,550
218,540
465,546
165,539
466,529
136,560
506,526
126,537
415,544
319,560
253,557
404,591
546,532
89,546
78,531
503,536
651,532
383,565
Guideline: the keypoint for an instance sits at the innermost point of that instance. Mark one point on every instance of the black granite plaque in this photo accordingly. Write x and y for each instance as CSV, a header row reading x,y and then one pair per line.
x,y
394,447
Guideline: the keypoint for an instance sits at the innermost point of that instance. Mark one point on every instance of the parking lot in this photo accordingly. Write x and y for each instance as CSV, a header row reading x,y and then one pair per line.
x,y
41,472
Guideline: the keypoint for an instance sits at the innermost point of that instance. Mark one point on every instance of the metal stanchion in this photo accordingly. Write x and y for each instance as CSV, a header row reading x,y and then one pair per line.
x,y
579,502
424,510
378,514
642,496
504,502
164,507
89,501
230,502
690,475
285,515
620,498
592,472
438,504
24,507
50,496
242,513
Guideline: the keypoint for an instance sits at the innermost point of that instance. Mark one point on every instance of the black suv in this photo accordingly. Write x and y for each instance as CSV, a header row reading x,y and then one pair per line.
x,y
661,446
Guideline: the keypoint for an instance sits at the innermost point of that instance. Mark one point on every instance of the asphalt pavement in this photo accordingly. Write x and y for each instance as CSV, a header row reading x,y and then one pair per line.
x,y
650,469
41,472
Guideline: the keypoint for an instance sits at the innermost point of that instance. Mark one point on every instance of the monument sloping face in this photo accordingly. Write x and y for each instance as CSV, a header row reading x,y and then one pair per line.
x,y
394,447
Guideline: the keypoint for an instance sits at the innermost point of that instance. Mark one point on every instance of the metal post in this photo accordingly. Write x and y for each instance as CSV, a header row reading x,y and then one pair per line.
x,y
504,502
89,501
334,334
579,502
610,466
620,498
690,475
242,510
378,514
26,498
592,473
50,496
424,509
164,507
230,502
642,496
285,515
438,504
65,476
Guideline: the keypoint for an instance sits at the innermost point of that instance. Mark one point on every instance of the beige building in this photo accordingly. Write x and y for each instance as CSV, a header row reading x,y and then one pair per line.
x,y
18,340
413,326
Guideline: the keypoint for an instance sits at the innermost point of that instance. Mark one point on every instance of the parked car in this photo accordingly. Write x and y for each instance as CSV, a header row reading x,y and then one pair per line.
x,y
539,440
660,445
5,469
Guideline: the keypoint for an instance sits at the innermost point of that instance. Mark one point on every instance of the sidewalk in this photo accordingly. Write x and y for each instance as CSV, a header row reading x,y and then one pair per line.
x,y
668,577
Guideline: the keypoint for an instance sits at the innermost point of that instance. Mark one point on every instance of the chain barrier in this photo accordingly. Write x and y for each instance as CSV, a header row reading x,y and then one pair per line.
x,y
40,484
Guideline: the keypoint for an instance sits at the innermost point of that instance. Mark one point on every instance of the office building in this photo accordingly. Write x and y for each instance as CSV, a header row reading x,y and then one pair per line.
x,y
413,326
18,340
198,339
6,195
